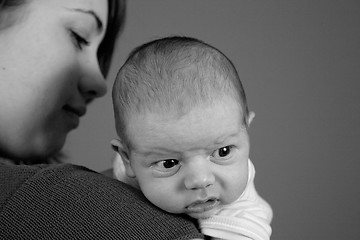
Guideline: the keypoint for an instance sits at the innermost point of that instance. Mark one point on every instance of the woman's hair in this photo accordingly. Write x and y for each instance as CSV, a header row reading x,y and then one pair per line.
x,y
174,74
116,19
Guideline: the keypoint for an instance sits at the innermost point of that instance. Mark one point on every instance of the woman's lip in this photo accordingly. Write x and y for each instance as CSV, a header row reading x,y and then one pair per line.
x,y
73,114
72,119
77,110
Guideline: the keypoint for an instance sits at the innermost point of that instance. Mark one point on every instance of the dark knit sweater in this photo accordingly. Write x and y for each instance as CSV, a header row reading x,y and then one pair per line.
x,y
65,201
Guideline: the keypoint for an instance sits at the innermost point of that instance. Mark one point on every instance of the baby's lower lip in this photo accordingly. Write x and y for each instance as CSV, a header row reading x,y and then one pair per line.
x,y
199,207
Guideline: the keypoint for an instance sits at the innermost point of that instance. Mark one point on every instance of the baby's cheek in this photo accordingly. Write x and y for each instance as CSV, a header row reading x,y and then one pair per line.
x,y
234,189
164,198
231,196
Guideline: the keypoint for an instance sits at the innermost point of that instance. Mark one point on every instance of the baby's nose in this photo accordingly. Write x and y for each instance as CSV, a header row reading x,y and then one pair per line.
x,y
199,179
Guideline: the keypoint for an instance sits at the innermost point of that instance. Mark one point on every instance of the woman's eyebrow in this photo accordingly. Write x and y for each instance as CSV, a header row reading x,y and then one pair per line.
x,y
99,24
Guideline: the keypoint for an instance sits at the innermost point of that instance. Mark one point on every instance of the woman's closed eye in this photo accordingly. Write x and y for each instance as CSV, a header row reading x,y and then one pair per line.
x,y
79,41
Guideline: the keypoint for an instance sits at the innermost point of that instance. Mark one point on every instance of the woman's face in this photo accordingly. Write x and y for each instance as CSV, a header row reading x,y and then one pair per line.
x,y
49,72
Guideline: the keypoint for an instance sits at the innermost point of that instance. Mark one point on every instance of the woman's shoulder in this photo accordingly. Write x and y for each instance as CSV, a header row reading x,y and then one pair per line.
x,y
70,201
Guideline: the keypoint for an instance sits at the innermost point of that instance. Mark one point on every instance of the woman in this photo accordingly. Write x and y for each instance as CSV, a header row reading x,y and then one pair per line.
x,y
51,68
54,57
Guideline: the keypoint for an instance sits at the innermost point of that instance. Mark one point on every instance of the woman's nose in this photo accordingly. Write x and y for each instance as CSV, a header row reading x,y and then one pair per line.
x,y
92,84
199,177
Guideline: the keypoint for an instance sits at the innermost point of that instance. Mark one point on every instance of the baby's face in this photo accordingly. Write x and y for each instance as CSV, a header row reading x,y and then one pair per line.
x,y
193,164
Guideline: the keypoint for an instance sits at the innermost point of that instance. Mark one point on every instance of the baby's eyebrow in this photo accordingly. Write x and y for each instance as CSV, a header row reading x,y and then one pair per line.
x,y
220,140
156,151
99,24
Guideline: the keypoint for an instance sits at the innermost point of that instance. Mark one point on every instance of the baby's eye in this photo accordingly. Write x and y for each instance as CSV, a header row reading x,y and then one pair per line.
x,y
168,163
167,167
223,152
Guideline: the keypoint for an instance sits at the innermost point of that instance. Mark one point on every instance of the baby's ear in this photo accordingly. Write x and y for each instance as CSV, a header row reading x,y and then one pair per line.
x,y
250,118
121,162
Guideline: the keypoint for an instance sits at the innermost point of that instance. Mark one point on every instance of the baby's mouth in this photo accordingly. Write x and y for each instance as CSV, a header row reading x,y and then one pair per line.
x,y
203,205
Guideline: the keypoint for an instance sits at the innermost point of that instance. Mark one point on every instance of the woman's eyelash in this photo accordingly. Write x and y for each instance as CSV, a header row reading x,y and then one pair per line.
x,y
80,41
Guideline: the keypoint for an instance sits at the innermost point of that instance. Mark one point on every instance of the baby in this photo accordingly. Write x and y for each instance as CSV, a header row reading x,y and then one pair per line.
x,y
182,121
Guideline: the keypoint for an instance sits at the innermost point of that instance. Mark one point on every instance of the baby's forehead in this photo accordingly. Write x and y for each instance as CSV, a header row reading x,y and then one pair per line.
x,y
159,119
182,109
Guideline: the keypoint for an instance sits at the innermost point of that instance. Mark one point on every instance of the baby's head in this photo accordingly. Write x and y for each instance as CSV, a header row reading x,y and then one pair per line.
x,y
181,117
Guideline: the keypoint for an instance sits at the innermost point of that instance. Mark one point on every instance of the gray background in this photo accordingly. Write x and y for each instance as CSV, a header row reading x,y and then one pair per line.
x,y
300,65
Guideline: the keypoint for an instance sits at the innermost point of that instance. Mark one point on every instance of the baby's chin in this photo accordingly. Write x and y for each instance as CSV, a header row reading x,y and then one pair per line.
x,y
202,215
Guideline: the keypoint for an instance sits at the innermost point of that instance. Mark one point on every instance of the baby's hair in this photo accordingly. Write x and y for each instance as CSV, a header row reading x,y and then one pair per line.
x,y
172,75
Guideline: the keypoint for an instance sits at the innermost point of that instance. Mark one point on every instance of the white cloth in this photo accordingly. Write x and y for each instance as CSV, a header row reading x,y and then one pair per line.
x,y
247,218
